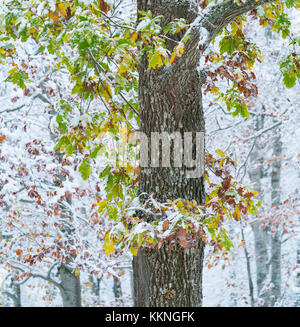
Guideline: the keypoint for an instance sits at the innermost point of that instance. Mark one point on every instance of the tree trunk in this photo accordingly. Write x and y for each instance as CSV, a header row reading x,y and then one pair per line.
x,y
117,289
16,295
170,101
70,284
70,290
95,281
260,232
297,278
248,265
276,238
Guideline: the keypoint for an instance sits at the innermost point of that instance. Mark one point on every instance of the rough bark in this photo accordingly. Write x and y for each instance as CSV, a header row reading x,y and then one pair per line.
x,y
170,101
165,278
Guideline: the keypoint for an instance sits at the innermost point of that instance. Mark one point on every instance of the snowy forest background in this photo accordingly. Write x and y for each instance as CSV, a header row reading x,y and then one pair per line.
x,y
39,188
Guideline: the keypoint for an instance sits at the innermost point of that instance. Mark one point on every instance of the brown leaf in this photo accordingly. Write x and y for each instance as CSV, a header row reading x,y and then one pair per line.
x,y
165,225
181,234
185,244
103,6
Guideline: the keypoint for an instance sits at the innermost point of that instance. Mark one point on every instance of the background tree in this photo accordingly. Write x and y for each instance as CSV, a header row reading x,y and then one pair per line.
x,y
146,76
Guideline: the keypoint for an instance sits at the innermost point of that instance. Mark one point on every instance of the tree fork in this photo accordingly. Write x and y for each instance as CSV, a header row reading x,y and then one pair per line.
x,y
171,101
164,277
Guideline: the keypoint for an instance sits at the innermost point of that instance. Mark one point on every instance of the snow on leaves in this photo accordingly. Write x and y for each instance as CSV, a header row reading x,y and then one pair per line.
x,y
182,221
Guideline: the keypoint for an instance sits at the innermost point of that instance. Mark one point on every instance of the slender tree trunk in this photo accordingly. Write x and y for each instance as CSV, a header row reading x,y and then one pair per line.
x,y
95,285
260,232
71,289
170,102
70,284
117,288
297,277
248,264
276,238
16,295
268,263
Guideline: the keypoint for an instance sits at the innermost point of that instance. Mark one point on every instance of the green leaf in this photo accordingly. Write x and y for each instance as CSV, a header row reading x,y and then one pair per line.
x,y
17,77
155,60
289,80
85,169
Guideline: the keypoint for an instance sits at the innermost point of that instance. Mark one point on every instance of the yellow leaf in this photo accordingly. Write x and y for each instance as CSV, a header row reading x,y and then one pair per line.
x,y
220,153
179,205
134,36
109,244
133,250
61,8
178,51
124,134
155,60
54,16
76,272
221,163
125,64
102,204
13,70
215,90
234,28
206,179
237,212
106,92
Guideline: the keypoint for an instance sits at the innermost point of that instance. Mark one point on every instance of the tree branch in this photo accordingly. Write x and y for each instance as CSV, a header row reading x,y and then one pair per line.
x,y
222,14
205,28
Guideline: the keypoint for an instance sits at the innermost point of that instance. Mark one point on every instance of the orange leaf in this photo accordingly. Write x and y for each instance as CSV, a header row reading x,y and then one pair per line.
x,y
54,16
2,138
19,252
